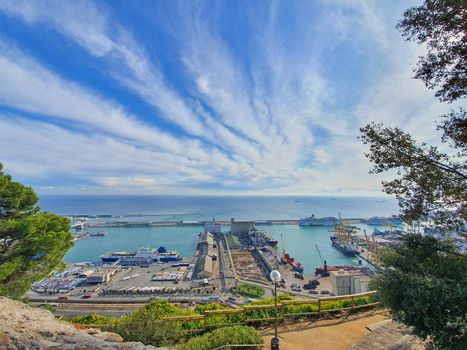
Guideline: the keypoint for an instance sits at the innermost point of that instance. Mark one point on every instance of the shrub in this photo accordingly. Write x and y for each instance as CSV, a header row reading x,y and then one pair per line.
x,y
223,336
90,319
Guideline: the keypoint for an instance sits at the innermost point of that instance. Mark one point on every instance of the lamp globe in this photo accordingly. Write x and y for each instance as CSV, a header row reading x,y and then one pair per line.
x,y
275,276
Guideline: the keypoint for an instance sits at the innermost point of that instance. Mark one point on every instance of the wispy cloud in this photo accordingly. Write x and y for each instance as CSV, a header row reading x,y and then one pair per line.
x,y
274,107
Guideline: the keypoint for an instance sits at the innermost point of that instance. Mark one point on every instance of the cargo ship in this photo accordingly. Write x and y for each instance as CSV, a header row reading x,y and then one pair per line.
x,y
287,259
345,248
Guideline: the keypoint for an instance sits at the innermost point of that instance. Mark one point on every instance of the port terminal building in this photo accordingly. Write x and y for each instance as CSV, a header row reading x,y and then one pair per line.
x,y
349,282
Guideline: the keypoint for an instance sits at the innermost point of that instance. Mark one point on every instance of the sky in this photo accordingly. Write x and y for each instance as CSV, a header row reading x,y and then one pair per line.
x,y
204,97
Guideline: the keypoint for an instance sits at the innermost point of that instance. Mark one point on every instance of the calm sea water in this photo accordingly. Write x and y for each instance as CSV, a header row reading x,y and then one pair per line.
x,y
300,242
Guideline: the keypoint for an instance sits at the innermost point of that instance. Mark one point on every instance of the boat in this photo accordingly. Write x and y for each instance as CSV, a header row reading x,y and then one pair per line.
x,y
165,255
315,221
115,256
151,255
384,221
287,259
324,270
345,248
98,234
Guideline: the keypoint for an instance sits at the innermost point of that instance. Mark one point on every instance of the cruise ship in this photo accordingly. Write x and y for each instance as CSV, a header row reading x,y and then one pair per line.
x,y
384,221
143,254
314,221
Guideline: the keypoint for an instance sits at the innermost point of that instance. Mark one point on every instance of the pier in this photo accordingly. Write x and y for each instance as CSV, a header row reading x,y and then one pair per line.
x,y
199,223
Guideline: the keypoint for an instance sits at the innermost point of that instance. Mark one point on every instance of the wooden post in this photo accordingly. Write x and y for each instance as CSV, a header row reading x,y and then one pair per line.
x,y
319,307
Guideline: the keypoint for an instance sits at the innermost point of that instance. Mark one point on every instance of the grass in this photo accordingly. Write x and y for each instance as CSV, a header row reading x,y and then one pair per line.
x,y
250,290
233,241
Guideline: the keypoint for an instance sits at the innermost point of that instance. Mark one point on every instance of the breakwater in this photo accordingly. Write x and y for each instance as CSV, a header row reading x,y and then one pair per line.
x,y
198,223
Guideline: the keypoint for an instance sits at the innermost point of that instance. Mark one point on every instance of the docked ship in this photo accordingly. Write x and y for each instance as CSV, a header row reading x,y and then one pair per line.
x,y
287,259
345,248
324,270
148,255
98,234
384,221
315,221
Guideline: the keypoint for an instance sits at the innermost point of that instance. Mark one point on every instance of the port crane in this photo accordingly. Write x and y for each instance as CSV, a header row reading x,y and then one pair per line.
x,y
283,257
325,264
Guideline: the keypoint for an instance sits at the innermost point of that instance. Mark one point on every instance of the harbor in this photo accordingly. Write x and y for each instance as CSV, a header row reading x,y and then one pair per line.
x,y
210,262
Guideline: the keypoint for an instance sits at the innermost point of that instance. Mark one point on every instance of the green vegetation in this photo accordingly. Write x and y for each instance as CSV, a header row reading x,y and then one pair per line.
x,y
147,324
249,290
233,241
32,244
431,184
424,281
224,336
425,285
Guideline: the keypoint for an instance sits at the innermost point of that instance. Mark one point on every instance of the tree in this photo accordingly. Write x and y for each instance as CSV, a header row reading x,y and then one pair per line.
x,y
432,183
441,25
32,243
424,281
425,285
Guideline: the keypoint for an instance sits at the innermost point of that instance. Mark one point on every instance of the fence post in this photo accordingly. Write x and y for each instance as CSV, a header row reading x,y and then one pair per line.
x,y
319,307
352,303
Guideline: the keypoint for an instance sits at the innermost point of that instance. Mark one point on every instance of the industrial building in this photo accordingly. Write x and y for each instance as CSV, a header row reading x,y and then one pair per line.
x,y
103,275
349,282
213,226
205,254
241,227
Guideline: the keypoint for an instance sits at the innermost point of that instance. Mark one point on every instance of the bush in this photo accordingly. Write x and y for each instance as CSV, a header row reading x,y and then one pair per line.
x,y
249,290
90,319
147,330
223,336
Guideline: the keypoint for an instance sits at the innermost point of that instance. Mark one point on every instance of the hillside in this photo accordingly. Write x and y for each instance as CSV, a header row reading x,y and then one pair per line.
x,y
24,327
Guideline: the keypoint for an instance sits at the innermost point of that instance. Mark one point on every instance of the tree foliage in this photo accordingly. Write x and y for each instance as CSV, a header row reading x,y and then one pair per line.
x,y
32,243
432,184
425,285
442,26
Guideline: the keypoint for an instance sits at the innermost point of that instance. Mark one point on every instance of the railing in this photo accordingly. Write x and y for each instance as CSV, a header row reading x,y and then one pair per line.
x,y
240,346
287,309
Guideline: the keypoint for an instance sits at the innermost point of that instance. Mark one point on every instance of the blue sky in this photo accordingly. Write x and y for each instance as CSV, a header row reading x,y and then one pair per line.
x,y
203,97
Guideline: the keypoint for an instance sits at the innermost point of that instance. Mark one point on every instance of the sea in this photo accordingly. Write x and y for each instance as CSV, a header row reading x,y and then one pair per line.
x,y
300,242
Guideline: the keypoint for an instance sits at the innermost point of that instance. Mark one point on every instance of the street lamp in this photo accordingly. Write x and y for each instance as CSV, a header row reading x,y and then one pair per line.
x,y
275,277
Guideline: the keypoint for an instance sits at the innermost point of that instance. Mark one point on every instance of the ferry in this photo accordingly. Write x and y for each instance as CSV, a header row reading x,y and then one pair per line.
x,y
143,254
384,221
315,221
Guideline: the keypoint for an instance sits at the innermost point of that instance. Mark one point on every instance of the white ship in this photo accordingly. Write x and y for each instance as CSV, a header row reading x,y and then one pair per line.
x,y
315,221
384,221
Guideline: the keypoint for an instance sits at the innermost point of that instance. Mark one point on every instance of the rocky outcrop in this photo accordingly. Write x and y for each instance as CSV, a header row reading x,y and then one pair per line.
x,y
23,327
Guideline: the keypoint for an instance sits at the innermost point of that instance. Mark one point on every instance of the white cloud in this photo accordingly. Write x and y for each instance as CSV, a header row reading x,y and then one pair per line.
x,y
274,125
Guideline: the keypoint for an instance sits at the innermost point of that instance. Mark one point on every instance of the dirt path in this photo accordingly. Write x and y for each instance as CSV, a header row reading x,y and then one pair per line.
x,y
335,334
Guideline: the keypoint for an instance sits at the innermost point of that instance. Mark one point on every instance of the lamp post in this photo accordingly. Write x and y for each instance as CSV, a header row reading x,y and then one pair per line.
x,y
275,277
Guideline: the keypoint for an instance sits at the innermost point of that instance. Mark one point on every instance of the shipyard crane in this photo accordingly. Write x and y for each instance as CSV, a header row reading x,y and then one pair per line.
x,y
321,257
283,258
325,272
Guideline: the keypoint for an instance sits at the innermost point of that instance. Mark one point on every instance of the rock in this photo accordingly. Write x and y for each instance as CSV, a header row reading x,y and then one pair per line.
x,y
50,345
91,331
84,347
4,339
109,336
